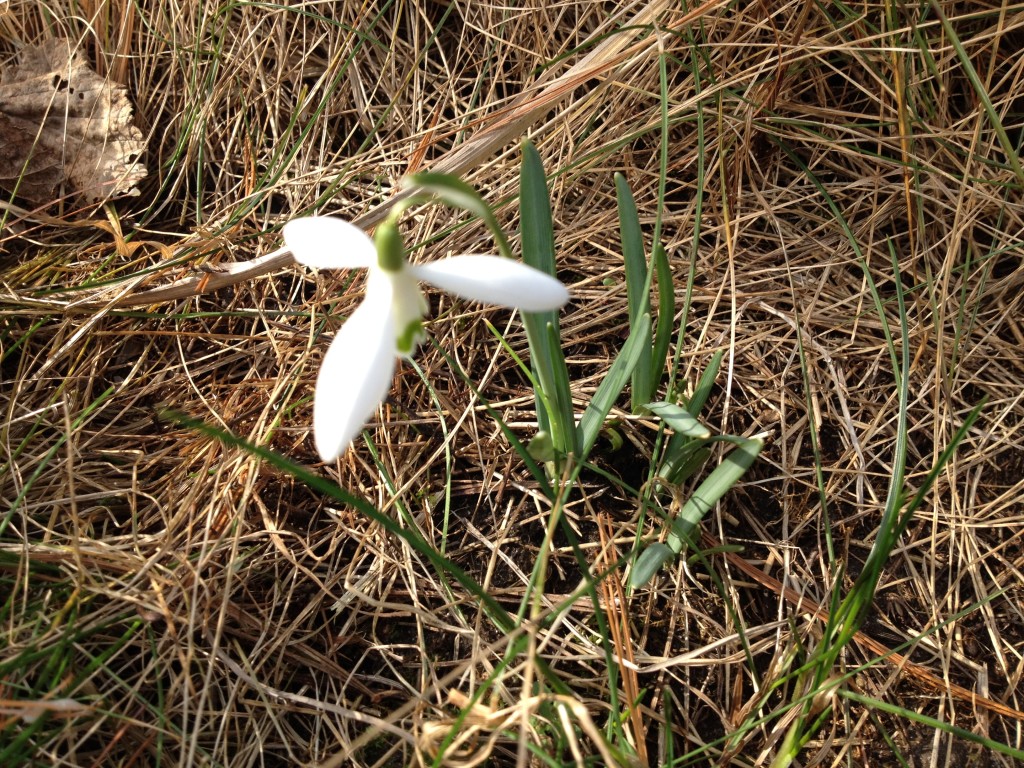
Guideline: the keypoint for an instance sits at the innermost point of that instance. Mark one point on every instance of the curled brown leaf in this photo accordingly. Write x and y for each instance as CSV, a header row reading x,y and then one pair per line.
x,y
63,126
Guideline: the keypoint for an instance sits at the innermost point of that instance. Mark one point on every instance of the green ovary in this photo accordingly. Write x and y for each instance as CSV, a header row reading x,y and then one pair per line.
x,y
409,338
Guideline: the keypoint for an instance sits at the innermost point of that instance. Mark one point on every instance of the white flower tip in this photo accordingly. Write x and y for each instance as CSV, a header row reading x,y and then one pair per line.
x,y
555,296
495,280
355,374
329,452
331,443
340,413
327,242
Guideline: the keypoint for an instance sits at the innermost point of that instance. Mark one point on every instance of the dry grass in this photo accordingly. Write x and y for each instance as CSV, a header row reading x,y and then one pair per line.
x,y
211,610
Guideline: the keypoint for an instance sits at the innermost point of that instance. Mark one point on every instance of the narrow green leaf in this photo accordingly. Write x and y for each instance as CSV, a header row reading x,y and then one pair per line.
x,y
536,229
679,419
542,329
702,391
683,457
632,247
714,487
648,563
561,391
666,313
637,285
931,722
543,359
684,454
611,386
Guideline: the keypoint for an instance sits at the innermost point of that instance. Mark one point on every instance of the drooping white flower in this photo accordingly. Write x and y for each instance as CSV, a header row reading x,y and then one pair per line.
x,y
356,372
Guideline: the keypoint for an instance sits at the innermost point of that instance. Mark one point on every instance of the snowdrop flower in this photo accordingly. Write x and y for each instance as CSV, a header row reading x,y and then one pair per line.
x,y
356,372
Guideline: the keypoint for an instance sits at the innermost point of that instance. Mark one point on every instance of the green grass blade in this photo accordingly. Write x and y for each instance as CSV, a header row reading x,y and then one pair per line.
x,y
980,91
410,536
932,722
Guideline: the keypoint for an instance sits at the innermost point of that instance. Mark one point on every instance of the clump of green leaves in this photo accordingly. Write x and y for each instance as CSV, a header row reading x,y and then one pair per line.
x,y
641,361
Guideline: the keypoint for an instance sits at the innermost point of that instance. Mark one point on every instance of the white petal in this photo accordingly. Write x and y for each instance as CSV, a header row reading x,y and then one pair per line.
x,y
495,280
355,375
327,242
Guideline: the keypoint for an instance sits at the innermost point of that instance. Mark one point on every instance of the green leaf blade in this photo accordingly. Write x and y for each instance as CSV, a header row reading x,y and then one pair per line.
x,y
710,492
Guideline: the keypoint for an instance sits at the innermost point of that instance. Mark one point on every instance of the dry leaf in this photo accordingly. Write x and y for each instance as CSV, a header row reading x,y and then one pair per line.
x,y
61,123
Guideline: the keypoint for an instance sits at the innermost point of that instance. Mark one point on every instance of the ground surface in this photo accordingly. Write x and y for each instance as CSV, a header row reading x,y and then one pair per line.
x,y
191,603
